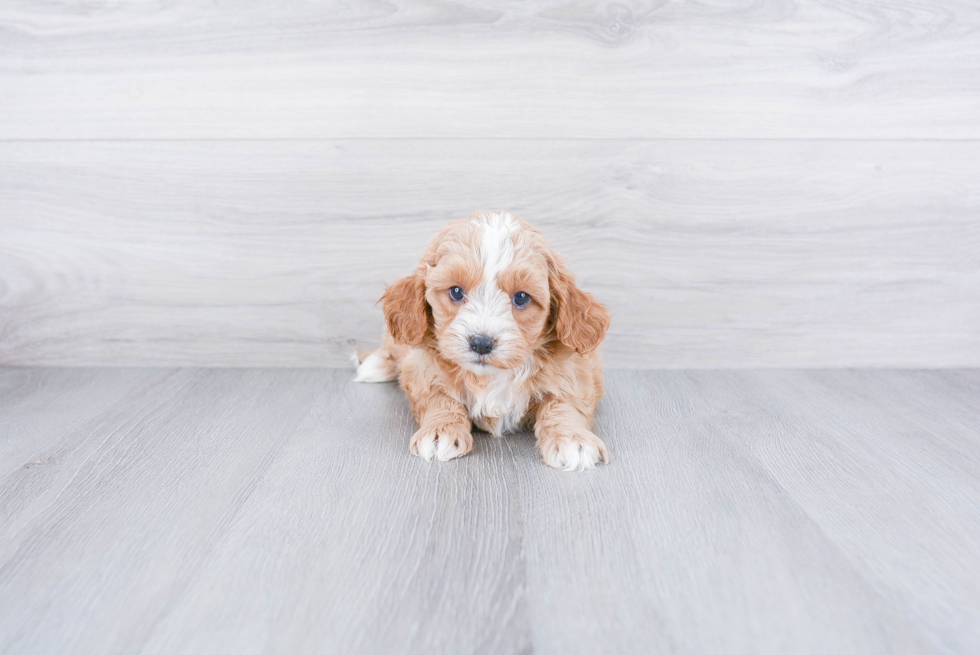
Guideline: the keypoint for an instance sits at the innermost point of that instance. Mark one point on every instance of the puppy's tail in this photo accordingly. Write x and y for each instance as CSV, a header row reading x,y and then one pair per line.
x,y
377,366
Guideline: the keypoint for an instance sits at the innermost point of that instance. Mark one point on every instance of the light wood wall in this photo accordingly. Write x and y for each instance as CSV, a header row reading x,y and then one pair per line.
x,y
744,184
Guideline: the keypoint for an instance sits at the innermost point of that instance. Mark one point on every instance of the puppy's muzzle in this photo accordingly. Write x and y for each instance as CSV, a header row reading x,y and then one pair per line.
x,y
481,344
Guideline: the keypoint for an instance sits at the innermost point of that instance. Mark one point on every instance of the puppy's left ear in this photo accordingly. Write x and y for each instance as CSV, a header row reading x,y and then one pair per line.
x,y
406,312
580,321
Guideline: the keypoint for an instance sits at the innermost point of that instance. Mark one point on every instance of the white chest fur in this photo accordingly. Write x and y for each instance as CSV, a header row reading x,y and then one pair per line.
x,y
500,404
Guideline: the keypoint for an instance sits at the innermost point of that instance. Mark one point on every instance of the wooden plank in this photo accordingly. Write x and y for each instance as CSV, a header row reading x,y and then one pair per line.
x,y
557,69
717,556
710,254
290,495
887,466
361,548
279,511
51,405
123,520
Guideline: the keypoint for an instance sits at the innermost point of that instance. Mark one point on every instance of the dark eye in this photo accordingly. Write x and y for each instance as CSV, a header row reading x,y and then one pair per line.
x,y
456,294
521,299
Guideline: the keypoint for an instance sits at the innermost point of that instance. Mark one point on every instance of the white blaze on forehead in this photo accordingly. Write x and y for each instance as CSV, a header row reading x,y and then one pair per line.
x,y
487,301
496,244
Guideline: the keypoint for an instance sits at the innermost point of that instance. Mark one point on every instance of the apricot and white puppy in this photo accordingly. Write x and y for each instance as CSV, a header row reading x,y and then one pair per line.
x,y
491,330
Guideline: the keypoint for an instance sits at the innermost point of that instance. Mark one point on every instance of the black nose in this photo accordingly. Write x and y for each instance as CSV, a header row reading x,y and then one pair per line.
x,y
481,344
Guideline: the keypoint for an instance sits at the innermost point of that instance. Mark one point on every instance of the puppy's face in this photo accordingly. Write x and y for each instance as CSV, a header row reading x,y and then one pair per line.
x,y
490,292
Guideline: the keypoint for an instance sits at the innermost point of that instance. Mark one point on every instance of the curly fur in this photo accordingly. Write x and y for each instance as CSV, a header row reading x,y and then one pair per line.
x,y
544,369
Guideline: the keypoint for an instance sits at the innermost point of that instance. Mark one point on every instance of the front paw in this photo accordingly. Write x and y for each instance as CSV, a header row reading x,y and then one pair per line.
x,y
574,452
443,442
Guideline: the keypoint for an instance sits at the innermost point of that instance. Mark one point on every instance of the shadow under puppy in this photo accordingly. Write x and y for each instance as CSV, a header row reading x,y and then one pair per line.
x,y
491,329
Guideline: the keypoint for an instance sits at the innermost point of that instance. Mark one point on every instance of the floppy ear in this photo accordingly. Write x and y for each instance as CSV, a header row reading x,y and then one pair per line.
x,y
406,312
580,321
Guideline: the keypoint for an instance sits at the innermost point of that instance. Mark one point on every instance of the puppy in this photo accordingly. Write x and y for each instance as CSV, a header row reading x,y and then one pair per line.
x,y
490,330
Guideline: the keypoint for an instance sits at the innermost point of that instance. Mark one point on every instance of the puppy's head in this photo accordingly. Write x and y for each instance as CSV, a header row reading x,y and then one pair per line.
x,y
488,293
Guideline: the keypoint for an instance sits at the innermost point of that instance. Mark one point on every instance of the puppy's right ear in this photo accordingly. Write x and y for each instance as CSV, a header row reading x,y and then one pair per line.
x,y
406,312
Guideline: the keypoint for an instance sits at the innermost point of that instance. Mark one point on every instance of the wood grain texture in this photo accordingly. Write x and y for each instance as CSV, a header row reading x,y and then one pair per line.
x,y
710,254
299,69
278,511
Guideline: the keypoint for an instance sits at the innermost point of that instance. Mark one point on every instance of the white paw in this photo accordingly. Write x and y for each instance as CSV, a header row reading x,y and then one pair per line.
x,y
443,443
376,367
575,452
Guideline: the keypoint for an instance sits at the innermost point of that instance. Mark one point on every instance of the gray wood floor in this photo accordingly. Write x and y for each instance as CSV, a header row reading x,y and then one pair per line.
x,y
254,511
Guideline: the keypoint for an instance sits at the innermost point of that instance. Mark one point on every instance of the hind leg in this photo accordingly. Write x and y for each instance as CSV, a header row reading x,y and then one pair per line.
x,y
377,366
